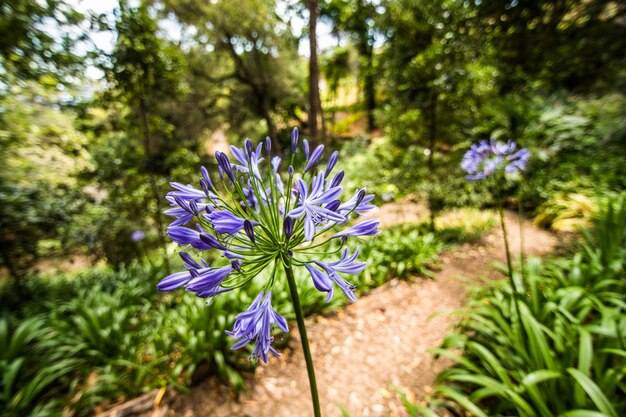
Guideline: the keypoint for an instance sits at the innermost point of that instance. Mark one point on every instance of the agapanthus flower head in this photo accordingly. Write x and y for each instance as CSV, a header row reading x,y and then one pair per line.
x,y
487,158
260,217
137,235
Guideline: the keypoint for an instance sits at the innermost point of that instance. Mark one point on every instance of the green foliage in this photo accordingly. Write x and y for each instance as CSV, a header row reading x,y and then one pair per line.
x,y
564,354
400,252
577,143
28,48
36,138
563,44
78,340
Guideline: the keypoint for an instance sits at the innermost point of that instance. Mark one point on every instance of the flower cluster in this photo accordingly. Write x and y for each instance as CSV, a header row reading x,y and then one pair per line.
x,y
488,158
263,217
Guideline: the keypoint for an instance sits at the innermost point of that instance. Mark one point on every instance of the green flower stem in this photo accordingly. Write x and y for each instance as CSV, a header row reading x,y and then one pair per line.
x,y
520,214
509,264
500,202
303,337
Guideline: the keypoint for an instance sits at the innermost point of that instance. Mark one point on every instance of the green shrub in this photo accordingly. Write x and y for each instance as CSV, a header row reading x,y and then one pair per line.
x,y
564,354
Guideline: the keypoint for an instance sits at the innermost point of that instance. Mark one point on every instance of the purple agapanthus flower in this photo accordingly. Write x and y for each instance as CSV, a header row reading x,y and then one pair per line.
x,y
137,235
312,205
258,217
323,280
487,158
254,325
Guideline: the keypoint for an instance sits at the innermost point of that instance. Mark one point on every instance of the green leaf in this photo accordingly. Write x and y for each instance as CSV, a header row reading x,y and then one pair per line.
x,y
593,391
539,376
582,413
462,400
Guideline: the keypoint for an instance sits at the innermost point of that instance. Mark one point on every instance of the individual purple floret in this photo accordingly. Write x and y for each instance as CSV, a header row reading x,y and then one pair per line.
x,y
312,202
255,324
316,155
487,158
367,228
323,280
225,222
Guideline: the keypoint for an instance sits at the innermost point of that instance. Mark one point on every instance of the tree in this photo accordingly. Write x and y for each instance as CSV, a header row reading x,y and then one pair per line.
x,y
41,154
572,44
30,47
430,77
144,74
255,55
358,19
315,104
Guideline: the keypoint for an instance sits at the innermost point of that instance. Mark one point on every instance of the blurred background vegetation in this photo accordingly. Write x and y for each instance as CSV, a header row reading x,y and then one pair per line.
x,y
101,105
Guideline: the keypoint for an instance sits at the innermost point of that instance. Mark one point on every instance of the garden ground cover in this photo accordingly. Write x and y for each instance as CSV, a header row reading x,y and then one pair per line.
x,y
365,349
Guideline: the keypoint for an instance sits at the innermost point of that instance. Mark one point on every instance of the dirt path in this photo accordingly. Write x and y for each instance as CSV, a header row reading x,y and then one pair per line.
x,y
363,350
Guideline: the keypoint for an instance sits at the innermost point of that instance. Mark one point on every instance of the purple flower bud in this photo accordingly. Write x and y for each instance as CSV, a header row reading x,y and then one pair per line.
x,y
194,207
315,157
205,186
212,241
249,229
247,144
255,324
290,170
332,161
182,204
171,282
236,265
224,163
360,196
294,140
305,147
367,228
205,176
333,205
288,227
188,261
337,179
231,255
268,145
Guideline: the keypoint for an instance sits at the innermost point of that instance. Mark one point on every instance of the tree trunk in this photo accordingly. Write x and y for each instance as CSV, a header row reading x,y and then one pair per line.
x,y
366,54
314,72
432,136
267,116
369,86
153,183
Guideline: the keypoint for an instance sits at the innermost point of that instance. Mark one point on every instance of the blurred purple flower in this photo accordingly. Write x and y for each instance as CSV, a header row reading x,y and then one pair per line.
x,y
487,158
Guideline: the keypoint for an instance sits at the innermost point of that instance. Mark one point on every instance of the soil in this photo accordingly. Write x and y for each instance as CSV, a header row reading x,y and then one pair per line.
x,y
366,349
